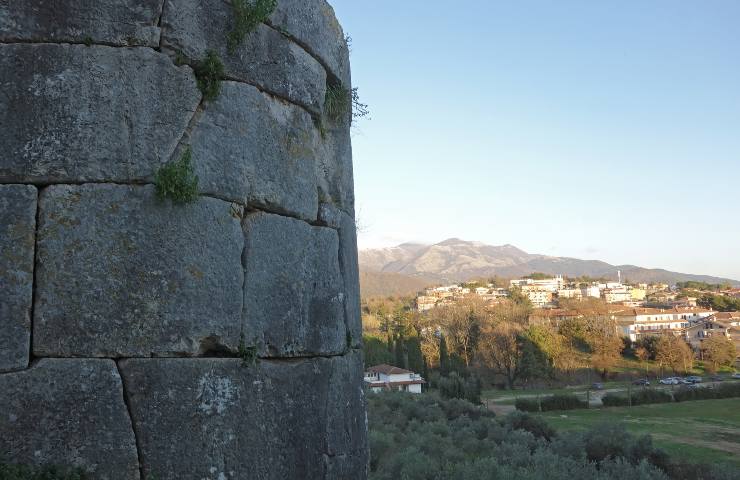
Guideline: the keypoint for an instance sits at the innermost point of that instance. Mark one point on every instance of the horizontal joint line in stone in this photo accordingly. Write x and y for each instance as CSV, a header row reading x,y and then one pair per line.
x,y
249,208
71,42
297,358
305,48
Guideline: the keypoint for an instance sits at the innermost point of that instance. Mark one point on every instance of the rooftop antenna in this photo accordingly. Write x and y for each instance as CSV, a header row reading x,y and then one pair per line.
x,y
619,275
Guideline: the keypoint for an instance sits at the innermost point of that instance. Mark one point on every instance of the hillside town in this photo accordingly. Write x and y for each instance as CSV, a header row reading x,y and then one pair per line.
x,y
637,310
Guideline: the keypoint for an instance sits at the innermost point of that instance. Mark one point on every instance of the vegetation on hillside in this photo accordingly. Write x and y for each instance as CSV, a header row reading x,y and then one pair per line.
x,y
423,437
720,303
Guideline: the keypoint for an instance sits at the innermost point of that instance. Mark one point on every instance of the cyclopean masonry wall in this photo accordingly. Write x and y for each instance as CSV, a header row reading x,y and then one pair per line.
x,y
123,316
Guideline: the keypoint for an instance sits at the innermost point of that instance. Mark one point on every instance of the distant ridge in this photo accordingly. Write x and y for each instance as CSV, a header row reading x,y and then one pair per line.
x,y
456,260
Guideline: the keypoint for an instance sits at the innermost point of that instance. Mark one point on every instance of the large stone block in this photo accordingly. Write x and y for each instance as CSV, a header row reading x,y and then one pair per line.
x,y
293,300
273,420
265,58
333,217
17,238
314,24
250,147
334,168
73,113
116,22
68,413
351,277
123,274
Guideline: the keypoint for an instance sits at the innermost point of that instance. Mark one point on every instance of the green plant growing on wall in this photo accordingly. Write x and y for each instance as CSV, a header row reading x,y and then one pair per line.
x,y
209,73
337,102
177,181
247,15
248,354
340,101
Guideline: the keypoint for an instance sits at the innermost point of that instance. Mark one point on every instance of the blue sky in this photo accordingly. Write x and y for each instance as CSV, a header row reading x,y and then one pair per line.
x,y
605,130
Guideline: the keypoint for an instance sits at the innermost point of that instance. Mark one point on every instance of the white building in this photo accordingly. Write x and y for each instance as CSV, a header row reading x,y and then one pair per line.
x,y
549,284
387,377
639,322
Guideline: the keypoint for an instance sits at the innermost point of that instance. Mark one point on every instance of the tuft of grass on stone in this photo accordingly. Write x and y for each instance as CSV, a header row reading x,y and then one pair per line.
x,y
177,181
88,41
209,73
337,102
247,15
340,102
180,58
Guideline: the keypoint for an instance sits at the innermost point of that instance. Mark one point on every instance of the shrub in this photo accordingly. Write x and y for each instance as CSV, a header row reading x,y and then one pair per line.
x,y
643,397
562,402
726,390
649,395
209,73
527,404
177,181
537,426
247,15
455,386
614,400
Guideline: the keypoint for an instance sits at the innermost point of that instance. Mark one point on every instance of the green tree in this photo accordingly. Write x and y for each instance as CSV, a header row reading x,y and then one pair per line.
x,y
444,358
605,344
718,351
674,352
375,351
400,357
413,353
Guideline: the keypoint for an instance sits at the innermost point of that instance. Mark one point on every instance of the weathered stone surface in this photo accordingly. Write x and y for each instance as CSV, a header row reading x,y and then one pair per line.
x,y
17,237
116,22
69,413
266,58
334,168
333,217
121,273
72,113
314,24
274,420
294,300
249,146
351,277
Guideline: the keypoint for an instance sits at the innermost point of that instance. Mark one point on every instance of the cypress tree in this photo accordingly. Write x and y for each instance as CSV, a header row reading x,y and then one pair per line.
x,y
444,359
399,352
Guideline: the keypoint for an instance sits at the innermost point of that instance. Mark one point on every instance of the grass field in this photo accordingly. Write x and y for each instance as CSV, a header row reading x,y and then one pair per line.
x,y
701,431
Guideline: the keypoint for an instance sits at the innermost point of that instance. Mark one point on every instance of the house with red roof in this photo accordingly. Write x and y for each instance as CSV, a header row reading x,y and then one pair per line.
x,y
387,377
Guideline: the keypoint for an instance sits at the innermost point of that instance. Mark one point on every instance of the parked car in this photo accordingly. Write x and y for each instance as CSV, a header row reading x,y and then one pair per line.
x,y
597,386
642,382
716,378
694,379
736,375
669,381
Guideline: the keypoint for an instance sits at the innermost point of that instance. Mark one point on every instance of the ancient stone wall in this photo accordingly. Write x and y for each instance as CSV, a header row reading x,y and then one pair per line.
x,y
141,338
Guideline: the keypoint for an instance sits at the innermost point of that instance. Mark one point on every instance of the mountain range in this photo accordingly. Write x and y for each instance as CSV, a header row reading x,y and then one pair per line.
x,y
408,267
